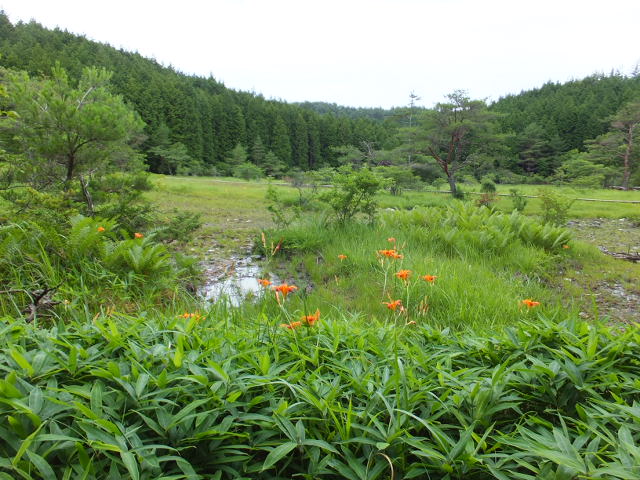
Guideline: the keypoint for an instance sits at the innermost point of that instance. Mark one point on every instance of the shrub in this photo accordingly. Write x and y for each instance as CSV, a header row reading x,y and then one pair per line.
x,y
555,207
518,200
487,186
282,213
179,227
248,171
398,178
353,193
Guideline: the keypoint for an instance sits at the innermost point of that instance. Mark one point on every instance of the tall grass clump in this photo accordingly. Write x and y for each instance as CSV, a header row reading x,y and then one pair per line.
x,y
459,266
222,397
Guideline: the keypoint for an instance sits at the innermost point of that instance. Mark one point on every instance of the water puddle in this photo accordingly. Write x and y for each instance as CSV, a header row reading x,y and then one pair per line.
x,y
234,280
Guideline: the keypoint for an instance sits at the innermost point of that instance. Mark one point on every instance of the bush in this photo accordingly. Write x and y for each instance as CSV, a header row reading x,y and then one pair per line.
x,y
179,227
354,193
248,171
518,200
398,178
555,207
487,186
282,213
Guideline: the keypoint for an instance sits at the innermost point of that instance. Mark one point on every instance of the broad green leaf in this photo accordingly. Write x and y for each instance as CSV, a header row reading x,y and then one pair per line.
x,y
129,461
21,361
278,453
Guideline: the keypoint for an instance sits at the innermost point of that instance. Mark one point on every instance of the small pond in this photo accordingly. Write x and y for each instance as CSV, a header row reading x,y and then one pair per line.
x,y
235,279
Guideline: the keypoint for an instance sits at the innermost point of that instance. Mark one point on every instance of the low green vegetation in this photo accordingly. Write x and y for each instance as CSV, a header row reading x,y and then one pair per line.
x,y
233,396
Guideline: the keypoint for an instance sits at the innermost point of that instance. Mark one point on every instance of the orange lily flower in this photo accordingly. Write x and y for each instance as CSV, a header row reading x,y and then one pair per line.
x,y
393,305
565,246
284,289
530,303
392,253
264,282
311,319
101,229
138,235
291,325
342,257
404,274
429,278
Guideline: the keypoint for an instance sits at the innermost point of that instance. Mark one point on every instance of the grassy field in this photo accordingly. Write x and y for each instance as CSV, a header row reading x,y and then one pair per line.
x,y
235,212
579,209
225,200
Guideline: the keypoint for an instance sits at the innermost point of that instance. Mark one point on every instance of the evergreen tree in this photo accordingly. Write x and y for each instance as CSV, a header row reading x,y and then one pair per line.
x,y
258,152
280,144
71,131
457,130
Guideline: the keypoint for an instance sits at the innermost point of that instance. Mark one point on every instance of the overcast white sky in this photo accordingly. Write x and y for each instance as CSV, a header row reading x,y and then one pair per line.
x,y
362,52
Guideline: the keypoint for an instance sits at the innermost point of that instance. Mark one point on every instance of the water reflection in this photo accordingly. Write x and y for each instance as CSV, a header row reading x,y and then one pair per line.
x,y
235,282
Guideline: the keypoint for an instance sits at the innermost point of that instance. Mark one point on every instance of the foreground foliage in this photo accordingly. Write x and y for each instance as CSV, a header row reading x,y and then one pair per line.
x,y
51,271
232,397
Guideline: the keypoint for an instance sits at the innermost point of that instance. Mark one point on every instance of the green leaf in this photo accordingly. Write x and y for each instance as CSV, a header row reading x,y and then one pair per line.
x,y
129,461
25,445
21,361
319,443
277,453
218,371
41,464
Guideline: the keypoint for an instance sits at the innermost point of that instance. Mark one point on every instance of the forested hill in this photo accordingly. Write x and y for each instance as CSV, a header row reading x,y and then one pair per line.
x,y
567,114
200,113
374,113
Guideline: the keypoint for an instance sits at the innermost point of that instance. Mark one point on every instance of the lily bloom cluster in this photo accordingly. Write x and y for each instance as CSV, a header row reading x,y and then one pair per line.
x,y
305,320
393,305
405,274
390,253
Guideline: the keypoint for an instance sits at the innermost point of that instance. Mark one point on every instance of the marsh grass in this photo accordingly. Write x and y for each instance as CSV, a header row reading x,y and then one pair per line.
x,y
483,274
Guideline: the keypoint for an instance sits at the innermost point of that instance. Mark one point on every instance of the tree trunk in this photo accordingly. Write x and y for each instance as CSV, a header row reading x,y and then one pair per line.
x,y
626,174
452,184
87,196
71,160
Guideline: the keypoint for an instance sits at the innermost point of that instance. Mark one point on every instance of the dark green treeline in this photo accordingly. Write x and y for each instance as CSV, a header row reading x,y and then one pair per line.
x,y
201,113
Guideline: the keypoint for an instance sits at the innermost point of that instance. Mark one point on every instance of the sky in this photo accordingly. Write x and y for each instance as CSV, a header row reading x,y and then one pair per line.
x,y
363,53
